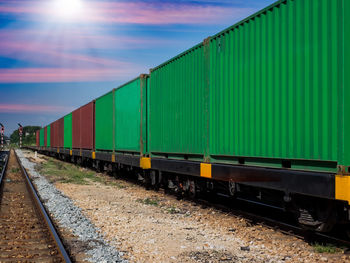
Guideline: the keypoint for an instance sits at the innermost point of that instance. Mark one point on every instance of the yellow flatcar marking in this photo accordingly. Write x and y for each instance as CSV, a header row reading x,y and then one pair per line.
x,y
93,155
113,158
206,170
145,163
70,152
58,150
342,188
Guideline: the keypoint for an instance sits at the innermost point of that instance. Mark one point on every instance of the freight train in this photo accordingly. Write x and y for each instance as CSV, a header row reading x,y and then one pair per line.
x,y
258,111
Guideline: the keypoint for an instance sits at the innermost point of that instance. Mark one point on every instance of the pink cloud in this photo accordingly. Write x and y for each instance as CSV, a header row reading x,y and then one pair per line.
x,y
161,13
41,75
71,39
16,108
135,12
43,52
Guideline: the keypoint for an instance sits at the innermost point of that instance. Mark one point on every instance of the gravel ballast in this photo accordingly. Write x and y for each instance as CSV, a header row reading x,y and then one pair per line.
x,y
71,217
151,226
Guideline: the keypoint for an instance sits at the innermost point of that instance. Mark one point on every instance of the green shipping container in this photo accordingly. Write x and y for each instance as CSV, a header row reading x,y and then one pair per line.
x,y
104,128
269,90
48,136
67,127
178,106
130,116
118,118
276,85
42,138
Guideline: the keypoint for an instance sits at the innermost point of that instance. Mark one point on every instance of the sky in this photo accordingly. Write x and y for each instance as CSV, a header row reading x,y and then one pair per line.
x,y
56,55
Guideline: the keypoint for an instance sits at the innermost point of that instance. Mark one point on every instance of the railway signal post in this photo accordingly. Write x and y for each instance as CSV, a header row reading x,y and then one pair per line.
x,y
2,131
20,130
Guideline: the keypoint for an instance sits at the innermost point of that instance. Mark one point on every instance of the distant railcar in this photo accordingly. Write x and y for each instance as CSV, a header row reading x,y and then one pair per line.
x,y
83,127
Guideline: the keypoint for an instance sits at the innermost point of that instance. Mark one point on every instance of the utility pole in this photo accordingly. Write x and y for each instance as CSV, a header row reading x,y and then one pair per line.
x,y
2,131
20,130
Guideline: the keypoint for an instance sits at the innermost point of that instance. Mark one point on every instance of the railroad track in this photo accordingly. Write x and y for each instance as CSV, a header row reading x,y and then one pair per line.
x,y
26,231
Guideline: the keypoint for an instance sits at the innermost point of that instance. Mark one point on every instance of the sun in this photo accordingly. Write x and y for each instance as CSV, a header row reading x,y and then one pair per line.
x,y
67,9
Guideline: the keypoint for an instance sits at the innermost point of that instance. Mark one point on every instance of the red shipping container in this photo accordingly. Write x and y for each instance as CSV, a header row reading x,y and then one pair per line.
x,y
38,138
76,129
45,136
87,128
59,132
83,127
53,134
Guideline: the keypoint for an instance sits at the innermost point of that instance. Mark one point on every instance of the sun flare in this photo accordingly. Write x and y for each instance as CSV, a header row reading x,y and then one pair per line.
x,y
68,9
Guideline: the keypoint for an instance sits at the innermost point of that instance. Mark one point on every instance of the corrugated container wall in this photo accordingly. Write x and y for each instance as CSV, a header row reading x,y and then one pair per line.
x,y
42,137
67,138
84,127
45,136
48,135
344,145
178,106
37,138
130,116
53,134
76,129
104,122
87,129
274,83
60,133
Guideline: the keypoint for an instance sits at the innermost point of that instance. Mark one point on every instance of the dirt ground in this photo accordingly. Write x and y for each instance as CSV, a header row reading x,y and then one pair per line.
x,y
151,226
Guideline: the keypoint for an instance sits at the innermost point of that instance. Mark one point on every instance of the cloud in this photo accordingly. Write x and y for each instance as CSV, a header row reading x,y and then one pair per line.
x,y
24,108
162,13
50,54
72,39
46,75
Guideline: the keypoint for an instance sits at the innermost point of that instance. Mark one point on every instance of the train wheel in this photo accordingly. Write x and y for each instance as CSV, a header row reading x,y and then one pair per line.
x,y
320,217
232,188
189,188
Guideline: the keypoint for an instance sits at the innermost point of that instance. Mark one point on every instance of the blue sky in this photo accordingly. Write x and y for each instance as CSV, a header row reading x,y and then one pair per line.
x,y
56,55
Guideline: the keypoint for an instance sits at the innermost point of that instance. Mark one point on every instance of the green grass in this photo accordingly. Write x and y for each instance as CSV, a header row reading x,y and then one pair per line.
x,y
58,171
148,201
326,248
14,170
173,210
118,185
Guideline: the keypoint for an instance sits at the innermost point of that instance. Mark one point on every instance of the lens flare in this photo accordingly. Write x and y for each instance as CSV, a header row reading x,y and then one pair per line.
x,y
67,9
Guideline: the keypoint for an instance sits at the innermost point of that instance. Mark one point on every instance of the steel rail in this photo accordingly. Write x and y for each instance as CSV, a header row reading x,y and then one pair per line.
x,y
44,213
7,153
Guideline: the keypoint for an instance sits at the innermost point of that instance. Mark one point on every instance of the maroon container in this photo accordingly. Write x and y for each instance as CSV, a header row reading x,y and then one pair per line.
x,y
59,133
45,136
37,138
52,134
76,129
83,127
87,128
